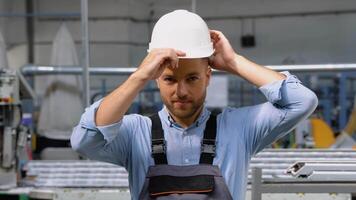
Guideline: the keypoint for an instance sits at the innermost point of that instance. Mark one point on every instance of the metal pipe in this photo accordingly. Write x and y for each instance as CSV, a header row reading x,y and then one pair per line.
x,y
272,15
75,16
269,150
301,168
314,68
256,185
30,31
305,154
194,6
296,159
42,14
46,70
97,18
342,101
319,187
332,175
85,51
28,87
75,70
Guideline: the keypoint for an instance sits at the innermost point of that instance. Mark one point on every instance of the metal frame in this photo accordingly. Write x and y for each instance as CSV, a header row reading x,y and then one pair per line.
x,y
27,87
306,169
75,70
86,70
194,6
258,187
85,51
347,71
343,98
116,70
41,14
273,162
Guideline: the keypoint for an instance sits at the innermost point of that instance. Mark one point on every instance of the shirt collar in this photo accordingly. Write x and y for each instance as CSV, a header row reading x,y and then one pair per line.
x,y
167,119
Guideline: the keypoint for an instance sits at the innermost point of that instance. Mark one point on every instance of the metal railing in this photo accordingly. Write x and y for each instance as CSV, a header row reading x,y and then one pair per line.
x,y
115,70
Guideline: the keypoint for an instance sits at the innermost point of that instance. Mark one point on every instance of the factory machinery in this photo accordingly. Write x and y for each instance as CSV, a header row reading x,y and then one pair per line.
x,y
302,172
11,139
329,174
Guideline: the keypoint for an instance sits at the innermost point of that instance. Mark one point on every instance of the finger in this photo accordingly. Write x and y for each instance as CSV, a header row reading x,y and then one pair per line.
x,y
170,55
172,63
213,35
211,61
166,64
175,61
215,39
164,55
212,31
180,53
217,34
173,57
161,68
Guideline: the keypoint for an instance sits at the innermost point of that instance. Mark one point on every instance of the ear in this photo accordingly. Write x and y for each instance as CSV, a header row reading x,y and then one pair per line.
x,y
208,75
157,82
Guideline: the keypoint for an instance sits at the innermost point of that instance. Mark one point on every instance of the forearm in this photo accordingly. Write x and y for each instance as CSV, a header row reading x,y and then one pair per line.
x,y
114,106
295,103
254,73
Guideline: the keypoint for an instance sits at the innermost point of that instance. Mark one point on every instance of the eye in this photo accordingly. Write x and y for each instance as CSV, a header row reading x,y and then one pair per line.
x,y
193,78
168,79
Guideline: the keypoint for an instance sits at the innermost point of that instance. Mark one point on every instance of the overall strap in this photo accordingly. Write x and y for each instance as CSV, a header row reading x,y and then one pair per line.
x,y
158,144
208,147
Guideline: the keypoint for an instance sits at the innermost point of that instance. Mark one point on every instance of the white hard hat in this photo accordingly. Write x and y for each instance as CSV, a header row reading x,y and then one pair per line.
x,y
185,31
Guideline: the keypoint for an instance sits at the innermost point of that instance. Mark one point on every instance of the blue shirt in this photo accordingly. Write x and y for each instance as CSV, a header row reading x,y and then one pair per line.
x,y
241,133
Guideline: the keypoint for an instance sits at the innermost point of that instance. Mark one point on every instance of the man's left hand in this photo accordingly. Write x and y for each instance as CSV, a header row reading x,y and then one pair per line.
x,y
223,58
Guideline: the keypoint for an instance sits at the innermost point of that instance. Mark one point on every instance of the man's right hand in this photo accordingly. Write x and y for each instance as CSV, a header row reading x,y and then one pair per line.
x,y
114,106
156,61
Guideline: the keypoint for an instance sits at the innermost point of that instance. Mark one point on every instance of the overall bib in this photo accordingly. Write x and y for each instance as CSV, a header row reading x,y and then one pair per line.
x,y
192,182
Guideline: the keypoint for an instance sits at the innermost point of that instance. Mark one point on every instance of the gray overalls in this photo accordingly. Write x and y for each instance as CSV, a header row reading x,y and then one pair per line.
x,y
202,181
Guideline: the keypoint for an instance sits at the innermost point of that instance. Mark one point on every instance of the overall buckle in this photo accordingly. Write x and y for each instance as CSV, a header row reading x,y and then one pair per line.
x,y
158,146
208,146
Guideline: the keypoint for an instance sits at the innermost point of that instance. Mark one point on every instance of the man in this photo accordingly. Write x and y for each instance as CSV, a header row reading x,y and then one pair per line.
x,y
179,59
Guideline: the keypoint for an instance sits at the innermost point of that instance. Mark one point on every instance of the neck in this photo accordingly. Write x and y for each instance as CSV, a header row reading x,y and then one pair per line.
x,y
186,122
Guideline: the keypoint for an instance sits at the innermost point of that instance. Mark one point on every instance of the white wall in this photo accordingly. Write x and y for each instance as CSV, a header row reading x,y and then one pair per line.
x,y
14,29
123,42
112,38
306,39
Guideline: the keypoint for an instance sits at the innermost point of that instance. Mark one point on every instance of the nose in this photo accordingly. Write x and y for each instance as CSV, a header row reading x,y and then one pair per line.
x,y
182,90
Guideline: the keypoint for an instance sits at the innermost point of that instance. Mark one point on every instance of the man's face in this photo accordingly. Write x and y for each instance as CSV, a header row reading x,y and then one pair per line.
x,y
183,89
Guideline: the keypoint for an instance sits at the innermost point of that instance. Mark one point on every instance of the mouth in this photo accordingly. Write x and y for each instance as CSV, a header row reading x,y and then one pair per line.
x,y
181,103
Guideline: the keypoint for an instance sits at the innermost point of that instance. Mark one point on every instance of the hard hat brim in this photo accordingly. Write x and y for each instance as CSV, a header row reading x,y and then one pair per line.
x,y
201,52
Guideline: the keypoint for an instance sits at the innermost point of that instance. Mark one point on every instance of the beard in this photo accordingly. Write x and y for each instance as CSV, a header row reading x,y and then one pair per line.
x,y
187,110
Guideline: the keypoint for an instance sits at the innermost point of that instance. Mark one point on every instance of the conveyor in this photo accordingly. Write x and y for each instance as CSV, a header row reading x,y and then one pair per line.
x,y
75,174
268,174
97,174
332,169
303,171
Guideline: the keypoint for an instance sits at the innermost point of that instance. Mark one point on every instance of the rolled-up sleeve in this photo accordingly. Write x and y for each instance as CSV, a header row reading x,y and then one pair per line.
x,y
289,102
105,143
